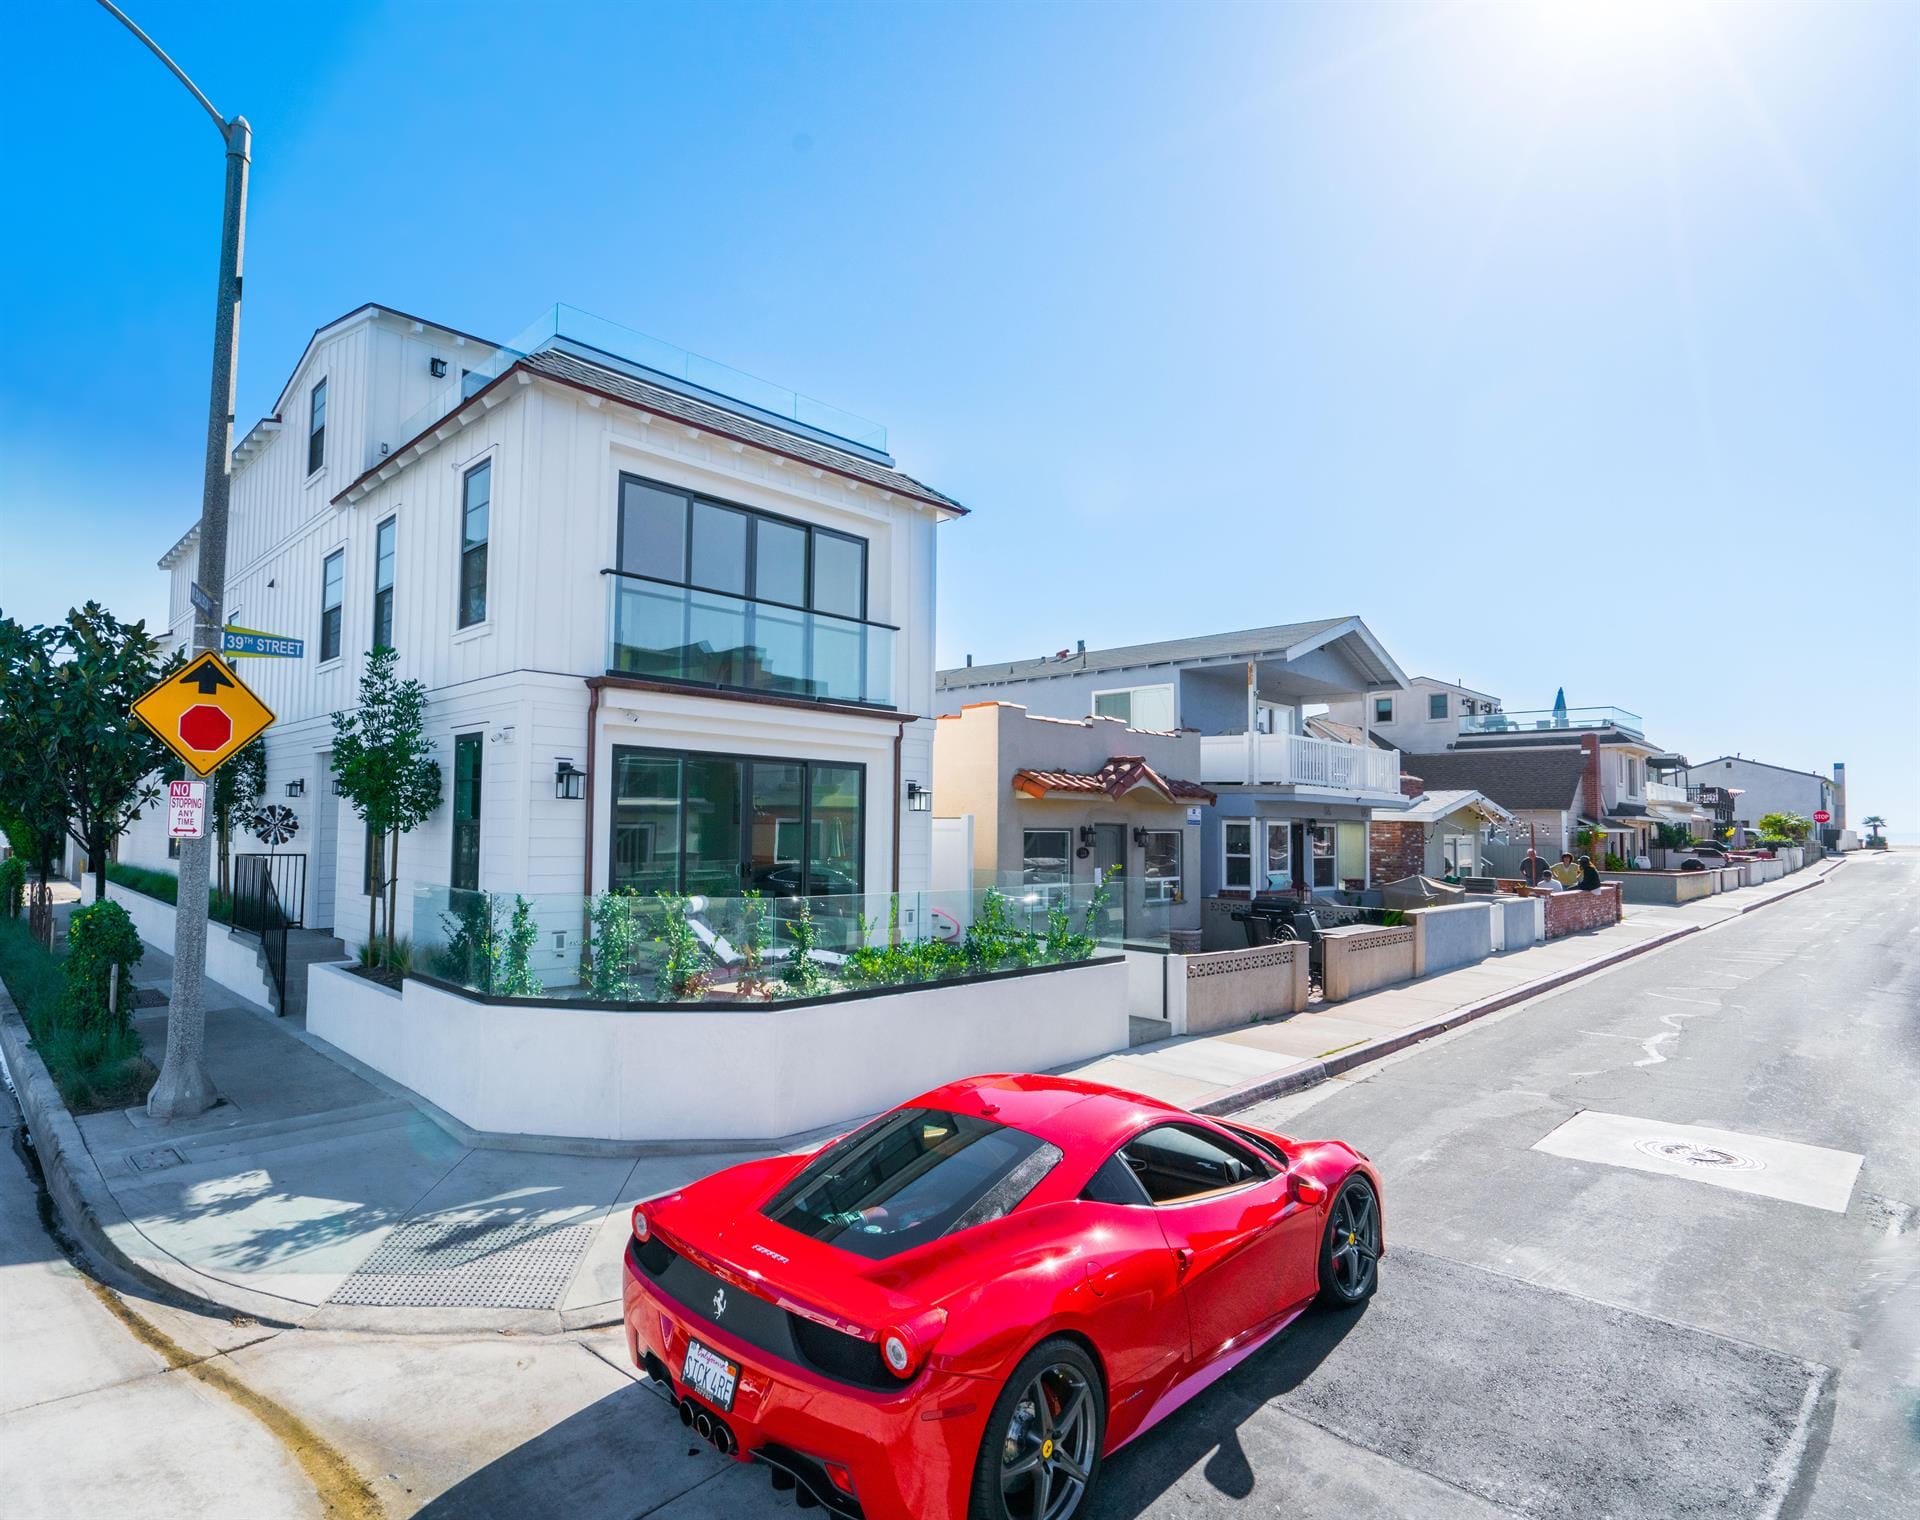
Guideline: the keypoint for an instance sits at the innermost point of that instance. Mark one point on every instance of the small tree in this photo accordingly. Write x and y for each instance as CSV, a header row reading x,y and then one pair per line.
x,y
1785,826
69,694
385,769
1875,823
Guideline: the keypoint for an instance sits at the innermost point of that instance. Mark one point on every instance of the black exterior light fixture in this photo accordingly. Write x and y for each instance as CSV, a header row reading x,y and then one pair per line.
x,y
1140,838
297,787
919,798
569,781
1086,835
437,368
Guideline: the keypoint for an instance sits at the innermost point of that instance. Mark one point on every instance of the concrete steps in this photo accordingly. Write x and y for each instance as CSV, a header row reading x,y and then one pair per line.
x,y
305,947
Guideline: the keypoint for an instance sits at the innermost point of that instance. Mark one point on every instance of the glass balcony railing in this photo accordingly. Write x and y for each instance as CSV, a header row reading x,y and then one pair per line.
x,y
679,633
1549,719
567,327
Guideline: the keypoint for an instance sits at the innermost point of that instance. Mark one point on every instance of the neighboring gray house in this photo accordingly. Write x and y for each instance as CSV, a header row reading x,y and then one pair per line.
x,y
1767,789
1421,720
1540,787
1291,809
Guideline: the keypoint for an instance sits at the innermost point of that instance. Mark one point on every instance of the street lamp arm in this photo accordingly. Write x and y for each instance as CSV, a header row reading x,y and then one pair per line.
x,y
178,72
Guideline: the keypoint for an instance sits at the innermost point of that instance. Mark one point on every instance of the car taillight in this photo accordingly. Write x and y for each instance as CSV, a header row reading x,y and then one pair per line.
x,y
839,1477
904,1348
640,1227
898,1349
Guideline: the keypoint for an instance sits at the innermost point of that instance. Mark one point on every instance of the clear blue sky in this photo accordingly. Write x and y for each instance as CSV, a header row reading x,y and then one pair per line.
x,y
1525,331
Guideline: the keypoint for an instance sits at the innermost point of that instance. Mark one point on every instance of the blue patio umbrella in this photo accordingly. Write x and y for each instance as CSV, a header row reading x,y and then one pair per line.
x,y
1560,708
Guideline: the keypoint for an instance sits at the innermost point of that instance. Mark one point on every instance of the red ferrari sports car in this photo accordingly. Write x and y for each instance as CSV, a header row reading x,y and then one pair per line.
x,y
958,1310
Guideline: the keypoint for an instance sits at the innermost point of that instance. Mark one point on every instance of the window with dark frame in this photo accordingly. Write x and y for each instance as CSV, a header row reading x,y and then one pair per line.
x,y
333,575
317,427
383,544
476,510
692,821
1236,843
1383,709
1046,857
465,873
1436,704
1161,868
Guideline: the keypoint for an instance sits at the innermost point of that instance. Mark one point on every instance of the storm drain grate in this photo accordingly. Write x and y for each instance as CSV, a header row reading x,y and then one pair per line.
x,y
469,1261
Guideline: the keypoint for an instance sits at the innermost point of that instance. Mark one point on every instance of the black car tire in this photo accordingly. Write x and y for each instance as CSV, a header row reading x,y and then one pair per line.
x,y
1355,1213
1059,1356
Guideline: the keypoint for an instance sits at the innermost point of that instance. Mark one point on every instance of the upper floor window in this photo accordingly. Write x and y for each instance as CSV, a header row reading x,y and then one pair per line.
x,y
317,427
476,509
1383,709
1146,707
383,540
686,540
333,574
1437,704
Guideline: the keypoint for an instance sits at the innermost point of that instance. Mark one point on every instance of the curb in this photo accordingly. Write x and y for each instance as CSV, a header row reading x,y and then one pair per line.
x,y
86,1207
1263,1090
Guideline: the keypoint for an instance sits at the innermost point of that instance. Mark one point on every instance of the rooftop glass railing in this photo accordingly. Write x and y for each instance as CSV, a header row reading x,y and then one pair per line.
x,y
1549,719
670,632
569,329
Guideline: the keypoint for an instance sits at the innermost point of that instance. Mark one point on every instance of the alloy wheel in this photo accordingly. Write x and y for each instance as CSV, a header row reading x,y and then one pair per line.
x,y
1356,1241
1047,1454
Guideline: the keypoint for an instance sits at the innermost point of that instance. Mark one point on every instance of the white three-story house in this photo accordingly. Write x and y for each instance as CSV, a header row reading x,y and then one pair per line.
x,y
676,625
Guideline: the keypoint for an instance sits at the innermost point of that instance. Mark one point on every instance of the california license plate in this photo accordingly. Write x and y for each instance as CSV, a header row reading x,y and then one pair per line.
x,y
710,1375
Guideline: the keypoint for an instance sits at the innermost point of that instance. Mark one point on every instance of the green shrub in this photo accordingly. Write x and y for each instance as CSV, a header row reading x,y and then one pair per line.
x,y
1614,863
165,886
13,886
97,1067
803,975
101,940
683,966
614,945
516,965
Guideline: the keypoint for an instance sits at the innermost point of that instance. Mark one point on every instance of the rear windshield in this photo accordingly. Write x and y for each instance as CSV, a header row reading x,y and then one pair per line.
x,y
911,1177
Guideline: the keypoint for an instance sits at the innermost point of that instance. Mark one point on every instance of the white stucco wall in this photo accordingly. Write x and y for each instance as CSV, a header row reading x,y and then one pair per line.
x,y
712,1071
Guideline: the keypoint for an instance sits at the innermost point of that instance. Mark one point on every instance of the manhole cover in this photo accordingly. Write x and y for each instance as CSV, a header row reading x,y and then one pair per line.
x,y
1713,1156
153,1160
470,1261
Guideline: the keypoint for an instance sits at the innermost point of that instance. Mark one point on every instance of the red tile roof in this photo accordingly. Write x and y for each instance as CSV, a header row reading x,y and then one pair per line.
x,y
1116,778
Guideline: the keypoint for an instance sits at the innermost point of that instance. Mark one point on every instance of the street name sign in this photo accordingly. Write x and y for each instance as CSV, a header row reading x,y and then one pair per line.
x,y
186,809
200,599
203,713
251,643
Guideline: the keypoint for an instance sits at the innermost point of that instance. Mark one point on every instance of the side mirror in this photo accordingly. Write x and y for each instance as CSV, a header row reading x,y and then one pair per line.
x,y
1308,1190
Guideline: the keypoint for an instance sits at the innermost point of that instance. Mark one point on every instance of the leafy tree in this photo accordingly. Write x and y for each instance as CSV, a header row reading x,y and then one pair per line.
x,y
385,767
70,691
1875,823
1785,826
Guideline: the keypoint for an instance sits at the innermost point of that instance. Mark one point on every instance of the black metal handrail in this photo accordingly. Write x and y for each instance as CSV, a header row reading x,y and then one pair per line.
x,y
257,910
289,873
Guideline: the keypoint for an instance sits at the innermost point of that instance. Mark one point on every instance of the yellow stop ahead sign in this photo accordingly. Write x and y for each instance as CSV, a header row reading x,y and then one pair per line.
x,y
204,713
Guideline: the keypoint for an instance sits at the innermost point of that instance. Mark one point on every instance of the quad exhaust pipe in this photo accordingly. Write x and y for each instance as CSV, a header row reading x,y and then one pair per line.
x,y
710,1428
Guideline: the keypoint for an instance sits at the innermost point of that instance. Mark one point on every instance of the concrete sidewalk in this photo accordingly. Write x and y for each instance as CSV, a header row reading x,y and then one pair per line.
x,y
319,1193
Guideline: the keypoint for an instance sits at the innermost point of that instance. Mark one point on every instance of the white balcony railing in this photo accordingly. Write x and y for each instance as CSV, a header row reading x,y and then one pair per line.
x,y
1661,791
1294,760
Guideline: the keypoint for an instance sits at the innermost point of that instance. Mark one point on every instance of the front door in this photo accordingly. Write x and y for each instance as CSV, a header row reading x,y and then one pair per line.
x,y
1110,854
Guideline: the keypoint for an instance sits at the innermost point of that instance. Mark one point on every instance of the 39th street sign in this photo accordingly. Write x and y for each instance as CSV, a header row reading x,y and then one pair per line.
x,y
203,713
251,643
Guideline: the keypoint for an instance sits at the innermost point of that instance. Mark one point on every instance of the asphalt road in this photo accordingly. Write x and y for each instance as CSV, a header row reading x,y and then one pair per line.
x,y
1555,1335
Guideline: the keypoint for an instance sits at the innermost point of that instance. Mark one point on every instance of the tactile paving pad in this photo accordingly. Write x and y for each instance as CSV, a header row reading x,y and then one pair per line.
x,y
478,1261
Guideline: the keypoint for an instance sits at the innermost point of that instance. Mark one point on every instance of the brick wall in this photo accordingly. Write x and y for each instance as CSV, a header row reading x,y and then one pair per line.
x,y
1396,850
1571,912
1411,786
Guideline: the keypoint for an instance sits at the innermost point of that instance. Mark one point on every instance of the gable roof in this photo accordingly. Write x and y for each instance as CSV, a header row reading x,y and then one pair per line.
x,y
1763,764
1433,806
1120,775
1322,727
576,373
1520,780
1281,641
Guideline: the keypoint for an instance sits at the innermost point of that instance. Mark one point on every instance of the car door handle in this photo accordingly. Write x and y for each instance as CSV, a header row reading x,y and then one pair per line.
x,y
1182,1259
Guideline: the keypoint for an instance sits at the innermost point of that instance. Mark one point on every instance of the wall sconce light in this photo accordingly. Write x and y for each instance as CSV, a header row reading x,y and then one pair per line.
x,y
297,787
437,368
1140,838
1086,834
919,798
569,781
333,786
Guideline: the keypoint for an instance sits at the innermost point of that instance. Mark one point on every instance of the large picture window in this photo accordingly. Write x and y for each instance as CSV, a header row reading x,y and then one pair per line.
x,y
1046,857
1143,707
1161,869
719,825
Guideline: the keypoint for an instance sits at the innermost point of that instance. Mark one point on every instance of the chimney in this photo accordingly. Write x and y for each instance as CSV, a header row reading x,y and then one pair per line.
x,y
1082,651
969,662
1411,786
1839,794
1591,797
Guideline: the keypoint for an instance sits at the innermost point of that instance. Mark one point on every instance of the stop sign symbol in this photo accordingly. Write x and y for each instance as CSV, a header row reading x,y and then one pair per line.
x,y
205,728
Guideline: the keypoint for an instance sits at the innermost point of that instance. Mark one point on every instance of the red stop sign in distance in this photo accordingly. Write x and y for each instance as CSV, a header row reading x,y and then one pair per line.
x,y
1823,816
205,728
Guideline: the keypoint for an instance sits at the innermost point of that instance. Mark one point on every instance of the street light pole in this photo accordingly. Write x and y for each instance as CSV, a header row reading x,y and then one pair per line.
x,y
183,1088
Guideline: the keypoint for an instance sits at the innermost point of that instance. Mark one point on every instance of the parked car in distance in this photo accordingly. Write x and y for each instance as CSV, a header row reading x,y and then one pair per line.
x,y
957,1311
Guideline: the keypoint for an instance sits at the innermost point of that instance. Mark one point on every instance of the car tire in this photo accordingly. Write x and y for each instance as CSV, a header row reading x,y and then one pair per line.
x,y
1350,1246
1017,1435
